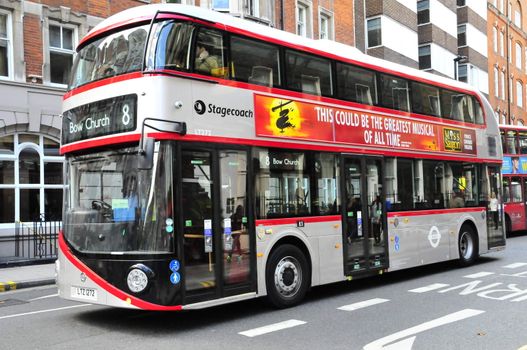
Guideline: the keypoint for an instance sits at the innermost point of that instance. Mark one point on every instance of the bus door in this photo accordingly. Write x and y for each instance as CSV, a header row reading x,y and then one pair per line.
x,y
216,224
364,214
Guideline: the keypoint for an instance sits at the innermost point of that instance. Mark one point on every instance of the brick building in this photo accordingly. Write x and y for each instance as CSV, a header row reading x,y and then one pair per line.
x,y
507,64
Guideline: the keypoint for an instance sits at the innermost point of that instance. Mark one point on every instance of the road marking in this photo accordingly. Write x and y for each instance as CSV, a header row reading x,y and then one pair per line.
x,y
429,288
405,344
450,318
271,328
515,265
45,297
43,311
362,304
479,275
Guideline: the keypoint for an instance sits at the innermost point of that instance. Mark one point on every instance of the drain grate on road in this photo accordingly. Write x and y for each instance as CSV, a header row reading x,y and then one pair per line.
x,y
11,302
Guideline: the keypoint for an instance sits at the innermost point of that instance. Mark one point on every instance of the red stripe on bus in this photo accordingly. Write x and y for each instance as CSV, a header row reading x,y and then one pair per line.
x,y
305,219
107,286
112,140
435,212
102,82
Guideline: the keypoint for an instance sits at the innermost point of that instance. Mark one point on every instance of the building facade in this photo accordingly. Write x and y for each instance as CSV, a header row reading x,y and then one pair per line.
x,y
507,64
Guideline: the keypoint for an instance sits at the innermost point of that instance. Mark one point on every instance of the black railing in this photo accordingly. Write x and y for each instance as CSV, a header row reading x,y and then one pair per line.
x,y
33,242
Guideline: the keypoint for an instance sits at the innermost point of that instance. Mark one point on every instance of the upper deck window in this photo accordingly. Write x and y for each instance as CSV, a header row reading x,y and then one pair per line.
x,y
356,84
254,62
172,50
395,93
307,73
209,57
115,54
425,99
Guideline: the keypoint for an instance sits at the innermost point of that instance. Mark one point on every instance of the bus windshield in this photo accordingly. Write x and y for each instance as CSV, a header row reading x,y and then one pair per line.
x,y
122,52
111,206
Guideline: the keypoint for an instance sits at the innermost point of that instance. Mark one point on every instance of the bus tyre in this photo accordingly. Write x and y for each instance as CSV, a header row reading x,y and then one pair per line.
x,y
468,245
287,276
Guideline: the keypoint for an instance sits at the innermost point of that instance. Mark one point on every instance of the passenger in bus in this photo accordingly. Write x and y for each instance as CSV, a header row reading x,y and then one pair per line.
x,y
457,200
493,207
205,62
376,216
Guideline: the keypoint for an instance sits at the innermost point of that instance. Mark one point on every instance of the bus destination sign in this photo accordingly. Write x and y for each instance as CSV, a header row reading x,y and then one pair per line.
x,y
106,117
279,117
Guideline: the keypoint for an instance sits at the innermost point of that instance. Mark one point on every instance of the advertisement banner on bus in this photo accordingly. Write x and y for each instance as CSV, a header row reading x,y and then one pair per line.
x,y
514,165
279,117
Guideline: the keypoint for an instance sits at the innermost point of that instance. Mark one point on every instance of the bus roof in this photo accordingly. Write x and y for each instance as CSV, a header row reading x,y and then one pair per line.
x,y
336,49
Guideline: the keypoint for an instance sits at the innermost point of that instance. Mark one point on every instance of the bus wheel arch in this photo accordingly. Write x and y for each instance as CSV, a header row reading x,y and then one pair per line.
x,y
468,243
288,272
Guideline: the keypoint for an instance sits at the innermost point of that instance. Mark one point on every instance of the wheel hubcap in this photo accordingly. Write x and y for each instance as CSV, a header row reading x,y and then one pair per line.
x,y
466,245
288,276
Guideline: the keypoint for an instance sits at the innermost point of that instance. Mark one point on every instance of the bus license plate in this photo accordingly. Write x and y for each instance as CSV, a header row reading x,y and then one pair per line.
x,y
84,293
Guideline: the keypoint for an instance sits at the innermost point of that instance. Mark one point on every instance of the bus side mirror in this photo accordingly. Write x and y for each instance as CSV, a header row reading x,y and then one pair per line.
x,y
145,158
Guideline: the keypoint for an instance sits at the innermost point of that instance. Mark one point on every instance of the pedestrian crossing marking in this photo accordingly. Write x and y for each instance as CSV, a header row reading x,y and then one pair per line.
x,y
515,265
362,304
272,328
479,274
429,288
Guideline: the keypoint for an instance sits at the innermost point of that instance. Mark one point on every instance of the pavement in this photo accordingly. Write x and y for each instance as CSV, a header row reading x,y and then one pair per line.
x,y
12,278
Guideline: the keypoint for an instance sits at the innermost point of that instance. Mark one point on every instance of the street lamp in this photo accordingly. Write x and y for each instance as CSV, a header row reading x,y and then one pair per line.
x,y
456,62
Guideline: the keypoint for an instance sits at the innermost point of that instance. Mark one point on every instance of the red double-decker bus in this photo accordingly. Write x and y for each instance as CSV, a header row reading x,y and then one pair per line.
x,y
211,160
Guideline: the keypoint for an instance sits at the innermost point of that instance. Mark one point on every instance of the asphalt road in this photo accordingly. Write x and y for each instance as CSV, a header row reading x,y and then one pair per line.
x,y
442,307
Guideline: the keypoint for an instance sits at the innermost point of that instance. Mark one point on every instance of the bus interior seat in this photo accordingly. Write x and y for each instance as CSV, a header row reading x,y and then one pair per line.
x,y
363,94
457,107
311,84
261,75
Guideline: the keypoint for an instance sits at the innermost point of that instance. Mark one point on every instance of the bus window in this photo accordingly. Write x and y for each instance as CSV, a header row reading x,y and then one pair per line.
x,y
254,62
432,184
356,84
478,111
172,49
394,93
469,179
308,73
404,193
283,185
522,140
326,172
510,142
516,190
506,190
425,99
209,55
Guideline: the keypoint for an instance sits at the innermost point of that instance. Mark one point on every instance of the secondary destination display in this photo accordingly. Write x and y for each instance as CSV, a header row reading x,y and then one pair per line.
x,y
279,117
106,117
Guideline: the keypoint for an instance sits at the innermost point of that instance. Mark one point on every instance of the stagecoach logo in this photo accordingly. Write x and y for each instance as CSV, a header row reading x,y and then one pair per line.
x,y
83,277
434,236
199,107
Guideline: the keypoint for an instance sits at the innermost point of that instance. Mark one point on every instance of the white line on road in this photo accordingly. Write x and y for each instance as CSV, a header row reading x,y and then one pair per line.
x,y
515,265
479,274
272,328
429,288
450,318
42,311
362,304
45,297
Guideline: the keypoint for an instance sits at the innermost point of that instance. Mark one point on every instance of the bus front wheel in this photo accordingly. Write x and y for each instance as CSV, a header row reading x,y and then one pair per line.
x,y
468,245
287,276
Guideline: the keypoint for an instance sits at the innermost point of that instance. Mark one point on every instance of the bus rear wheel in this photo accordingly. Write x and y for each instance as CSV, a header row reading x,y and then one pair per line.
x,y
468,245
287,276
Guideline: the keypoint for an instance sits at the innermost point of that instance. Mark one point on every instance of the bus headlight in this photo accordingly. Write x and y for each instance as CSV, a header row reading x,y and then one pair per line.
x,y
138,278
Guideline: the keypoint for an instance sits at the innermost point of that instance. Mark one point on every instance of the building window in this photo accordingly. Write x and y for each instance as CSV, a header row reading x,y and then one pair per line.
x,y
374,32
326,26
303,24
502,44
425,58
461,3
496,83
61,51
495,39
518,18
31,178
519,94
463,73
519,59
5,44
502,85
462,35
423,12
220,5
